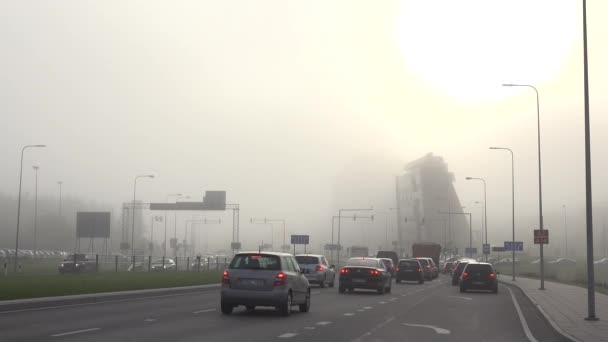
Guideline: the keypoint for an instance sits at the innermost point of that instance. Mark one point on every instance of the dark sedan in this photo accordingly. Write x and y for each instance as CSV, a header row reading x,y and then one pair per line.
x,y
365,273
458,271
77,263
410,269
478,276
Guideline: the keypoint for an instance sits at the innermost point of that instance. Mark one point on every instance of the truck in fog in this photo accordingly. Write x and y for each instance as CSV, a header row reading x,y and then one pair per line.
x,y
427,250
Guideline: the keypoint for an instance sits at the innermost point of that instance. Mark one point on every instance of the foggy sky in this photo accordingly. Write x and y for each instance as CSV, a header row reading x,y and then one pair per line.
x,y
296,109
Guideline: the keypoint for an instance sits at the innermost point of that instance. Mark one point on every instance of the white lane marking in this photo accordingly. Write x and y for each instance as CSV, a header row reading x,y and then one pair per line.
x,y
403,295
467,298
309,328
360,310
381,302
367,307
150,320
522,319
438,330
374,329
201,311
287,335
323,323
419,290
349,314
104,302
316,293
75,332
393,299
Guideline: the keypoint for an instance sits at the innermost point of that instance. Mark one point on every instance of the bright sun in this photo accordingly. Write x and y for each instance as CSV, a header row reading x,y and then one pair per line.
x,y
468,48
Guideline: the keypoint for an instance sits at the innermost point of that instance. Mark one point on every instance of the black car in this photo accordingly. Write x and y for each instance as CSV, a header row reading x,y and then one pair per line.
x,y
409,269
479,276
458,271
390,265
389,254
77,263
365,273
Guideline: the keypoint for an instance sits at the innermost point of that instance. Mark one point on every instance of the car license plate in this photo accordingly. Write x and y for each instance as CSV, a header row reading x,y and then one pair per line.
x,y
478,283
358,280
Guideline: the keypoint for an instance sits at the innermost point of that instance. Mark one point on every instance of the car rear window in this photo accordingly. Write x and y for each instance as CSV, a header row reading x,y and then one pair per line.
x,y
461,266
307,260
256,262
423,262
362,262
482,269
387,262
409,265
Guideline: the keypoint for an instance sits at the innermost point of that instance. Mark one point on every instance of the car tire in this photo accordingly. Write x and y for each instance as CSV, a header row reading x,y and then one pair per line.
x,y
322,283
462,289
495,290
285,308
332,283
250,308
381,290
398,281
351,289
306,306
389,289
341,289
421,281
226,308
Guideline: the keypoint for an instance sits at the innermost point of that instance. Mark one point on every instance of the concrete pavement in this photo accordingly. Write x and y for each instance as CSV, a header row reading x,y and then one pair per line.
x,y
434,311
566,306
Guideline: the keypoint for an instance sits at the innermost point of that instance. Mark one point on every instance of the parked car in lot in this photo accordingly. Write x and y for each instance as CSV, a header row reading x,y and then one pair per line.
x,y
478,276
427,268
390,266
264,279
77,263
603,262
316,269
562,262
458,271
365,273
409,270
160,265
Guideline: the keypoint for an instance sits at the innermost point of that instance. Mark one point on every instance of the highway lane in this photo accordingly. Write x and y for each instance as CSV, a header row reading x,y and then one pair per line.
x,y
423,312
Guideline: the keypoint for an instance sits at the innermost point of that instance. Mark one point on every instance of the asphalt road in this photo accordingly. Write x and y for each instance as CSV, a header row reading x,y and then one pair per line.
x,y
434,311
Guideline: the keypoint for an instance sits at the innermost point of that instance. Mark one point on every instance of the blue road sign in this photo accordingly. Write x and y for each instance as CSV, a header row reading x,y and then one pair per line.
x,y
486,248
299,239
518,246
470,251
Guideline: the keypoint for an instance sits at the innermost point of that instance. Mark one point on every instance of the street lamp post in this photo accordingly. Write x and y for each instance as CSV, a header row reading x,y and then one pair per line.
x,y
512,203
36,211
565,229
485,209
165,218
175,223
19,204
540,183
60,196
133,220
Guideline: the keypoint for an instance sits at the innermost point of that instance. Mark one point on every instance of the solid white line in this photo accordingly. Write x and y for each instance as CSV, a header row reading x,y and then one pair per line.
x,y
201,311
524,324
75,332
104,302
287,335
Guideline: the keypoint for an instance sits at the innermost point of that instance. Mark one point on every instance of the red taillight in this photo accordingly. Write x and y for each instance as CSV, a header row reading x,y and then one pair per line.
x,y
320,268
344,271
465,275
225,278
420,270
492,275
397,269
428,266
280,279
374,272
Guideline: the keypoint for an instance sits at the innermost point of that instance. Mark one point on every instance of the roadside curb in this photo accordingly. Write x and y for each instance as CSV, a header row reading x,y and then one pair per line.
x,y
33,303
545,315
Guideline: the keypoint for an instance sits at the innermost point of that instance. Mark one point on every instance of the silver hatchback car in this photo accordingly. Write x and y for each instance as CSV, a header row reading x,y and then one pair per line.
x,y
264,279
316,269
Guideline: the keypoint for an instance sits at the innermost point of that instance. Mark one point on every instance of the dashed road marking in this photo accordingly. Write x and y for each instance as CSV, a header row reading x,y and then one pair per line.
x,y
367,307
403,295
466,298
419,290
393,299
287,335
360,310
309,328
75,332
202,311
349,314
150,320
323,323
438,330
381,302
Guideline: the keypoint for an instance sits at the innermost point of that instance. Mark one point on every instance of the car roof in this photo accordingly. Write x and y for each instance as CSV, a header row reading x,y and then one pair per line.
x,y
479,263
364,258
312,255
264,252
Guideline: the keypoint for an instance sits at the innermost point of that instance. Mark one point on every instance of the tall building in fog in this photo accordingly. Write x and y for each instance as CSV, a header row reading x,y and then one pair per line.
x,y
423,190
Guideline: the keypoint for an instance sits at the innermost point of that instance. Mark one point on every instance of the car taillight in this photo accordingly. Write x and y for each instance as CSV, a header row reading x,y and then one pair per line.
x,y
225,278
492,275
320,268
374,272
420,270
344,271
397,269
465,275
428,266
280,279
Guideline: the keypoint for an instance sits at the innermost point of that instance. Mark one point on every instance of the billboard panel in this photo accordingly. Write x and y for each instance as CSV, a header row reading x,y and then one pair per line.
x,y
93,225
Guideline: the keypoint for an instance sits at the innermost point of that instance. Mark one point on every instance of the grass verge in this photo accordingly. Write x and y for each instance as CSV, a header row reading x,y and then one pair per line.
x,y
33,286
